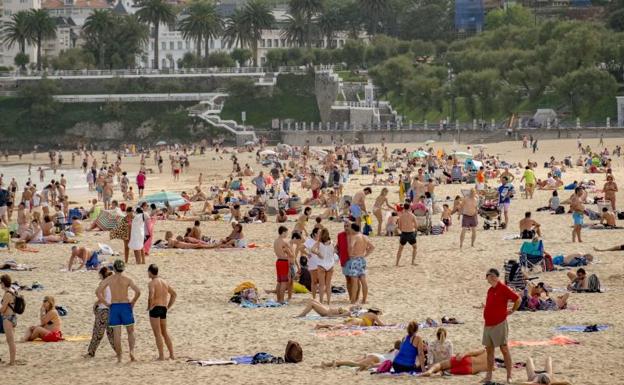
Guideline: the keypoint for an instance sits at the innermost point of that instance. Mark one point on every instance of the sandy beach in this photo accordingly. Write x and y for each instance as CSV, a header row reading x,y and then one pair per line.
x,y
203,325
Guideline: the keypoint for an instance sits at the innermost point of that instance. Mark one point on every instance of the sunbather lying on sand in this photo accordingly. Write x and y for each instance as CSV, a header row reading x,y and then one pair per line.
x,y
367,361
370,318
179,243
614,248
471,362
326,311
541,377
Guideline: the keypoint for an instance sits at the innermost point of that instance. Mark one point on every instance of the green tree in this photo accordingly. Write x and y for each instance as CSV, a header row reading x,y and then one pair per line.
x,y
425,22
21,60
295,30
73,59
41,26
202,22
154,13
373,10
17,31
125,41
97,26
392,74
329,22
353,53
41,106
276,58
241,87
514,15
190,60
257,16
584,88
236,31
616,20
304,11
241,56
220,59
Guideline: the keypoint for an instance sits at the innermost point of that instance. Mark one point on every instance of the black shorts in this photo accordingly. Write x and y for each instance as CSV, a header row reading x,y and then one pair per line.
x,y
259,192
621,247
339,157
527,234
158,312
408,238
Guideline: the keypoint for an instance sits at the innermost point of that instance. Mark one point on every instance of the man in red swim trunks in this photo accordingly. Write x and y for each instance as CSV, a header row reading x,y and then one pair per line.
x,y
282,265
471,362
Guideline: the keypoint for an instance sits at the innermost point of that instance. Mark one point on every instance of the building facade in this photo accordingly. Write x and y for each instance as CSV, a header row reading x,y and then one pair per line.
x,y
7,9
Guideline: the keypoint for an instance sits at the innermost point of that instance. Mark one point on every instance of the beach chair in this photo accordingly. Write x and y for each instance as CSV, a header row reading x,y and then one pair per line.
x,y
532,255
517,281
5,238
457,175
423,221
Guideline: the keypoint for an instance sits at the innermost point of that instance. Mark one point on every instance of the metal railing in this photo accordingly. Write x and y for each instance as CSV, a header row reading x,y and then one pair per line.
x,y
103,98
135,72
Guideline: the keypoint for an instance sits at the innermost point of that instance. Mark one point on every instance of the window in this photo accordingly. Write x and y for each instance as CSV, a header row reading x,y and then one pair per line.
x,y
163,45
275,43
269,43
188,45
171,45
262,43
179,45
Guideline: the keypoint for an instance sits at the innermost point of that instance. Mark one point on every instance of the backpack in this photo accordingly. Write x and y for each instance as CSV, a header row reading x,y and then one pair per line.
x,y
264,358
548,262
294,353
593,285
620,215
560,210
20,304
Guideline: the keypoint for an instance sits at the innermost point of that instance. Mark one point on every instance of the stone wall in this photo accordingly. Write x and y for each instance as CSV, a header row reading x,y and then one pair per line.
x,y
300,138
326,88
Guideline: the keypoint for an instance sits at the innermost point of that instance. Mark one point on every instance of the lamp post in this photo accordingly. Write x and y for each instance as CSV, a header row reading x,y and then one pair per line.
x,y
451,78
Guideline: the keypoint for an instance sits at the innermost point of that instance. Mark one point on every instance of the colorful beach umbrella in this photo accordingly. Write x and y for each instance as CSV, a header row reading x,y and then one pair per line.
x,y
419,154
165,197
462,154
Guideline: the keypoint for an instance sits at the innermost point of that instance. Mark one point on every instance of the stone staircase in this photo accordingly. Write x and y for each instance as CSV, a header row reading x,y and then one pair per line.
x,y
209,111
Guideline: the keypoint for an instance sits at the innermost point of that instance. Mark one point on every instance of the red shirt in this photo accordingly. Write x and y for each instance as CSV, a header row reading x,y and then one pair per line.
x,y
343,247
495,310
140,179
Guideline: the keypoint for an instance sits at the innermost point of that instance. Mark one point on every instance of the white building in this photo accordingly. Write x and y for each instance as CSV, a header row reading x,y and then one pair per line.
x,y
78,10
67,36
7,9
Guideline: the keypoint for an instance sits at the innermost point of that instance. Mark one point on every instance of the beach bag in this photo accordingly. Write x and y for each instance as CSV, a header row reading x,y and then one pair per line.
x,y
620,215
437,230
263,358
384,367
294,353
593,285
20,304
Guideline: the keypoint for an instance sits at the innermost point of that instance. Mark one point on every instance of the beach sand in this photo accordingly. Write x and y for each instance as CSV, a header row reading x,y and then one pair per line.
x,y
203,325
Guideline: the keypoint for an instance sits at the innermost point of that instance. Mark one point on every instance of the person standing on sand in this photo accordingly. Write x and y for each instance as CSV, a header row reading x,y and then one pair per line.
x,y
161,298
140,181
360,247
342,249
470,220
120,313
284,254
100,310
8,316
529,182
578,211
408,225
137,236
495,314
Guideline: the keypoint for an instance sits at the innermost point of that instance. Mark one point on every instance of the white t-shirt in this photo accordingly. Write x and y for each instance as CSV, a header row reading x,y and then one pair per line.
x,y
327,259
313,259
107,297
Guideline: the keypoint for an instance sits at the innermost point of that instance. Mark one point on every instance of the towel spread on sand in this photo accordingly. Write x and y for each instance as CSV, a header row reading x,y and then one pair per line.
x,y
579,328
556,340
237,360
268,303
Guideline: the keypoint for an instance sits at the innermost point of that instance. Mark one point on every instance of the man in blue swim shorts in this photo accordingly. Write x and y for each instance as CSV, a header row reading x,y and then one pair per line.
x,y
578,211
113,292
360,247
358,206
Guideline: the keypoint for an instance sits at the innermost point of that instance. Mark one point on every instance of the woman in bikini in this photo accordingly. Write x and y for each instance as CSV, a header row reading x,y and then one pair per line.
x,y
472,362
49,330
8,316
377,208
541,377
367,361
368,319
325,310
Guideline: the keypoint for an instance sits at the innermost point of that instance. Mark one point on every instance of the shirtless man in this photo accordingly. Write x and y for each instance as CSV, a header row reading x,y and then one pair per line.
x,y
470,221
407,224
360,247
120,313
27,196
300,226
284,254
358,206
579,280
607,218
578,211
196,231
529,227
315,186
160,300
80,253
506,174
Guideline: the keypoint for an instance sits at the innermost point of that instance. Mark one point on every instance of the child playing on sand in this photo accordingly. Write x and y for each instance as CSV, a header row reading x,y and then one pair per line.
x,y
391,225
446,215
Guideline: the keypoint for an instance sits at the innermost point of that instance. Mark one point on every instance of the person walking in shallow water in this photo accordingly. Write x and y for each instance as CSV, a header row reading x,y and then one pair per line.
x,y
161,298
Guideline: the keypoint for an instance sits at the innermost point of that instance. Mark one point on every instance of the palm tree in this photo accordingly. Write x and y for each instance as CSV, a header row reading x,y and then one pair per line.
x,y
235,31
97,27
16,31
295,30
374,10
156,12
202,22
256,16
41,27
328,23
307,9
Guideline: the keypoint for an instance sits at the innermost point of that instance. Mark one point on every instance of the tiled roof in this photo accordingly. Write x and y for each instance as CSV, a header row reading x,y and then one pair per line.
x,y
57,4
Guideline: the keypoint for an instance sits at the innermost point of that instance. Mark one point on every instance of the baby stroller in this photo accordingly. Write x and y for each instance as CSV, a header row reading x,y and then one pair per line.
x,y
488,210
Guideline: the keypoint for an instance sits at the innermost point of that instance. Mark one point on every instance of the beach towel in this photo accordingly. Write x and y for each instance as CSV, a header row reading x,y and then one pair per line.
x,y
269,303
149,234
579,328
12,265
5,238
340,333
211,362
556,340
